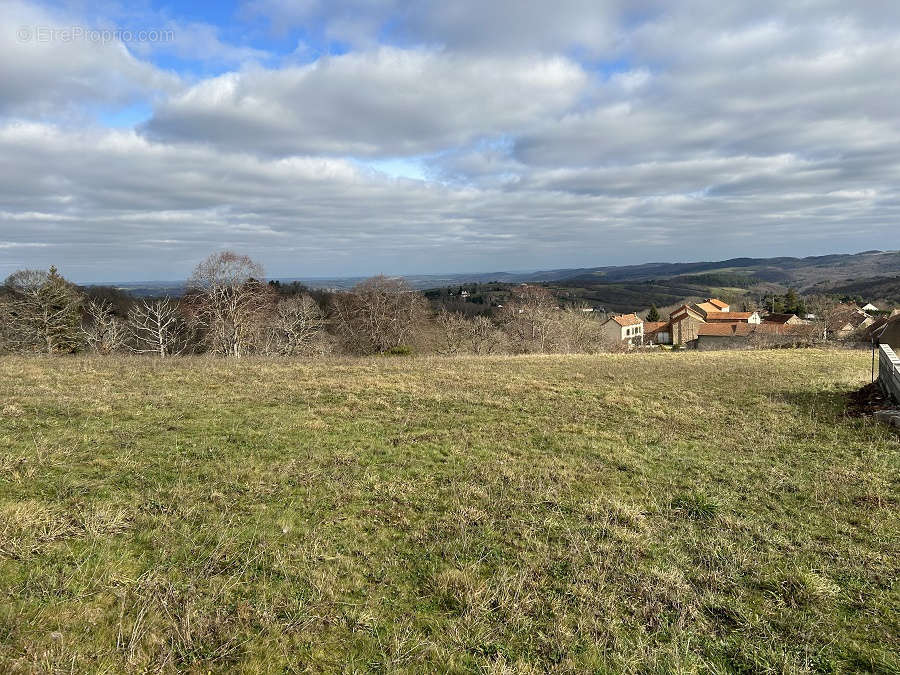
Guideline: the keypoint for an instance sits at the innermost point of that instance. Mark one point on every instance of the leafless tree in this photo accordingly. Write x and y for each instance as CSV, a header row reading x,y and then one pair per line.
x,y
9,337
454,330
577,332
460,334
827,313
45,311
295,326
102,330
229,300
157,327
529,317
379,314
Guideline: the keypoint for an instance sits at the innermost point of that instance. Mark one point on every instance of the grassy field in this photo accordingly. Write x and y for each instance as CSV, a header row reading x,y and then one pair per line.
x,y
655,513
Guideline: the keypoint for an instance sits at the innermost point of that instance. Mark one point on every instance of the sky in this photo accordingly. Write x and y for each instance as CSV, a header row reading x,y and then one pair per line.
x,y
355,137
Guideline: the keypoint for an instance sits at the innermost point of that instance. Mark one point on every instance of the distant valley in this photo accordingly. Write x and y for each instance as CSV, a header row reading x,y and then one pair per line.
x,y
873,275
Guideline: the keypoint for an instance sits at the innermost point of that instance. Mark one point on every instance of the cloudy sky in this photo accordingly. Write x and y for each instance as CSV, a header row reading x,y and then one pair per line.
x,y
350,137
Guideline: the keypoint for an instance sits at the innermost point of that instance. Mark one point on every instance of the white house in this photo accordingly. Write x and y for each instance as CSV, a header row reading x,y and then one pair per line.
x,y
624,328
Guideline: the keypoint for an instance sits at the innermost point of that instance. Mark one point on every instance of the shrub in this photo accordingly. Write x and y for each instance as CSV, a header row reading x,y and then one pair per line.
x,y
399,350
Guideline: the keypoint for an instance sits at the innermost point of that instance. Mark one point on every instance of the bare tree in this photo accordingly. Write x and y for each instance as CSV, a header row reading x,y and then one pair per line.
x,y
229,301
295,326
45,311
485,336
577,332
379,314
529,317
455,331
460,334
827,312
102,330
9,338
157,327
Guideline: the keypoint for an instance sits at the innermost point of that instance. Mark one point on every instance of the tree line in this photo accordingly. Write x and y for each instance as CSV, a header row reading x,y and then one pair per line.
x,y
228,309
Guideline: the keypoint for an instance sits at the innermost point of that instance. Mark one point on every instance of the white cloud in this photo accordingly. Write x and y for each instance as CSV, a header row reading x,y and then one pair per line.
x,y
573,134
46,69
387,102
132,207
510,26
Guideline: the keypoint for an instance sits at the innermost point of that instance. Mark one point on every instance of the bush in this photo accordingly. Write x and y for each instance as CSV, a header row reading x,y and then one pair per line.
x,y
399,350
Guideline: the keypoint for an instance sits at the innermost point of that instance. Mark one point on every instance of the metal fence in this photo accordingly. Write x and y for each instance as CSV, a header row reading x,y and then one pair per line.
x,y
889,371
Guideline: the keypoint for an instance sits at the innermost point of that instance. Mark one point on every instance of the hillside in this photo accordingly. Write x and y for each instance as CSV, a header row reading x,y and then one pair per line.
x,y
800,273
572,513
739,280
884,290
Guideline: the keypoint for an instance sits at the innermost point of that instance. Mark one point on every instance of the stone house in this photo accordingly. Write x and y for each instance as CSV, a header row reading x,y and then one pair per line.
x,y
783,319
889,333
657,332
847,320
741,335
683,325
710,306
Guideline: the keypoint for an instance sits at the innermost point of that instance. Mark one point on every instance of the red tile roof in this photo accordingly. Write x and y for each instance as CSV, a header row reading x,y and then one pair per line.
x,y
708,308
627,320
729,316
683,311
717,303
778,318
653,326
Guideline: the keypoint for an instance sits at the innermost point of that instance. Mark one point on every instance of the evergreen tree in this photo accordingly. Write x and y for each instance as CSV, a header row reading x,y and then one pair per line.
x,y
791,302
653,314
46,311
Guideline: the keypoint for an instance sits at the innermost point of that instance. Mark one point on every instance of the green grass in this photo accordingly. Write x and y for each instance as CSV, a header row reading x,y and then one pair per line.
x,y
654,513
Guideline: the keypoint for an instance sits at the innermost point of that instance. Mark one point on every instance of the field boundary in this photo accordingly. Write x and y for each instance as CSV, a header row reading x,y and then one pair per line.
x,y
889,371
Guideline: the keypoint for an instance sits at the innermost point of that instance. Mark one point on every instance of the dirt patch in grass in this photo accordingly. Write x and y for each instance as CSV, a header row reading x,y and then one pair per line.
x,y
867,400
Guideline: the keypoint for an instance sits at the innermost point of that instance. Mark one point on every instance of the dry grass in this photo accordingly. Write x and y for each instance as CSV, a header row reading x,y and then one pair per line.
x,y
655,513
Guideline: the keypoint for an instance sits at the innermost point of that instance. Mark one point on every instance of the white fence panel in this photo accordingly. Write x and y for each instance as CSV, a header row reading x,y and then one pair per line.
x,y
889,371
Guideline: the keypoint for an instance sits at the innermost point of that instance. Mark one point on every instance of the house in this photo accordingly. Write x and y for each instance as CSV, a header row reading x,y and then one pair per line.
x,y
626,328
783,319
869,307
710,306
742,317
683,324
657,332
733,335
846,320
889,333
740,335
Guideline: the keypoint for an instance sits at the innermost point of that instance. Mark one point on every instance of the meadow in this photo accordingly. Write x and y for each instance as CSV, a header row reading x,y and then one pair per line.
x,y
666,512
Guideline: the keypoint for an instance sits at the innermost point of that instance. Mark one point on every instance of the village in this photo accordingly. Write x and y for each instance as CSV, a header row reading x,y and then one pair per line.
x,y
712,325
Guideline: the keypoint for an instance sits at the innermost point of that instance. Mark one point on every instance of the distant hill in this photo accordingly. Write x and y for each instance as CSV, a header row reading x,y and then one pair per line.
x,y
798,272
801,272
884,290
871,274
635,287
